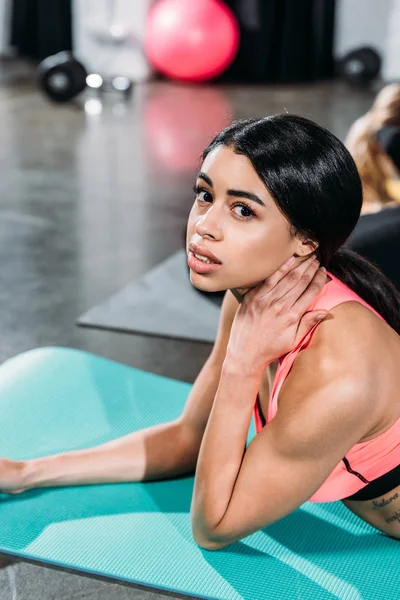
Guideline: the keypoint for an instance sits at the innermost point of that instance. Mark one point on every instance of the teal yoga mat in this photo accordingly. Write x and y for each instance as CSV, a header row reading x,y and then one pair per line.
x,y
55,399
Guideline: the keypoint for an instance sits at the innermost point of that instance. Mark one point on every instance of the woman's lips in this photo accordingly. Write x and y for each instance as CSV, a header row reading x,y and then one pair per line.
x,y
200,266
205,252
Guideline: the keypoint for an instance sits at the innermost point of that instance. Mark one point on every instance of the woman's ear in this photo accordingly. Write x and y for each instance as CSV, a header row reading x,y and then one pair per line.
x,y
304,247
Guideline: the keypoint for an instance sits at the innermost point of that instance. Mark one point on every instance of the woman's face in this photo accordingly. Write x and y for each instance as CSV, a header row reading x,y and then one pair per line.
x,y
235,217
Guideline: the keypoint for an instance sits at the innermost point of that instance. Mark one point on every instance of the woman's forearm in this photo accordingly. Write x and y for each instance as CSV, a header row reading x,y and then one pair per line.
x,y
164,450
222,448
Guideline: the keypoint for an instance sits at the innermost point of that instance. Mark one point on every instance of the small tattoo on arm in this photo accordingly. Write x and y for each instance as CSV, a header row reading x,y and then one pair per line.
x,y
384,502
394,517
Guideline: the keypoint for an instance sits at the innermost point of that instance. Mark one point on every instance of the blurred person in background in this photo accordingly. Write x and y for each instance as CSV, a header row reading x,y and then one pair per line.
x,y
374,142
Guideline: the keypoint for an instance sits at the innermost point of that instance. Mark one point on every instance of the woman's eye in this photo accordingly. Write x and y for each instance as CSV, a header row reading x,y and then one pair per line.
x,y
203,196
243,211
240,209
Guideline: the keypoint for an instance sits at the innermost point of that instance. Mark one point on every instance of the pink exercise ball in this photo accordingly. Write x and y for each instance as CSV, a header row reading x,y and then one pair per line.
x,y
191,40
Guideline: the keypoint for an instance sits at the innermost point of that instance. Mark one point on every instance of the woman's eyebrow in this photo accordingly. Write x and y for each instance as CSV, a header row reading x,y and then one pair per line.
x,y
236,193
206,178
248,195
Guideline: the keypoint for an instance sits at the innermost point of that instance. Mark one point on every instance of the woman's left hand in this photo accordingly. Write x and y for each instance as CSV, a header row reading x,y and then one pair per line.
x,y
272,317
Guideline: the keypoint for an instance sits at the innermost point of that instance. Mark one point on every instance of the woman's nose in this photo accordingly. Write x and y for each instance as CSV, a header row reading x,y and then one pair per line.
x,y
209,224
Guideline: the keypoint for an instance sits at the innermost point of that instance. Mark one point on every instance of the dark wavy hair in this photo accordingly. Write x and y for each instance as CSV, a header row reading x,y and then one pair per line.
x,y
315,184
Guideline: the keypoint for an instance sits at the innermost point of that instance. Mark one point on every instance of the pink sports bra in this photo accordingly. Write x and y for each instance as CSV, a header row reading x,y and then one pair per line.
x,y
365,461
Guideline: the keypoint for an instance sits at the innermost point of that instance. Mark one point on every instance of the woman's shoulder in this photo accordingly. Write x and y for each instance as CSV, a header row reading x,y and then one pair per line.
x,y
350,331
335,293
357,328
342,368
344,349
337,372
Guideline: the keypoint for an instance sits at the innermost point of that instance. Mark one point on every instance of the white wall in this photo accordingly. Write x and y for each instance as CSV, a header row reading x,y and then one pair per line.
x,y
361,22
374,23
90,20
392,63
5,19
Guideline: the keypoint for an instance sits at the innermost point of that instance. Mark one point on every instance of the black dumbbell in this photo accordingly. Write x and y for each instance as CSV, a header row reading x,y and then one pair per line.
x,y
360,66
62,77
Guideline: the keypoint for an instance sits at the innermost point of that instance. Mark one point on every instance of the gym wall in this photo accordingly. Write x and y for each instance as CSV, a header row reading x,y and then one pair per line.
x,y
5,27
358,22
90,23
370,22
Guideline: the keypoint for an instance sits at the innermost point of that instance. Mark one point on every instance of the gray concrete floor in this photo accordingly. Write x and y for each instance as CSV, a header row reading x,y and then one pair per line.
x,y
90,201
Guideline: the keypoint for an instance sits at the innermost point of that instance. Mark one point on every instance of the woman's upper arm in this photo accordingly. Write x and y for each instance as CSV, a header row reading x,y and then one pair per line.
x,y
198,405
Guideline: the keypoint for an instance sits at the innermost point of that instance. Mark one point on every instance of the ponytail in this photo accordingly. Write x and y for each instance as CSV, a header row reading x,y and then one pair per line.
x,y
364,278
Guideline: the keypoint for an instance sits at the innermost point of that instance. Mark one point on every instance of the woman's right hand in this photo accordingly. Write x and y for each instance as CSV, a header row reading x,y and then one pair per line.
x,y
11,476
274,316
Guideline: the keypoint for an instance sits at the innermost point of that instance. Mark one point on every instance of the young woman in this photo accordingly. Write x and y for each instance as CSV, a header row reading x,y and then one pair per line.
x,y
275,199
374,143
368,140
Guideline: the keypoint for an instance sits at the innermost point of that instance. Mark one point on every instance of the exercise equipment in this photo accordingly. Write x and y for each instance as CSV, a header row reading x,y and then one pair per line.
x,y
101,83
161,303
55,399
191,41
62,77
360,66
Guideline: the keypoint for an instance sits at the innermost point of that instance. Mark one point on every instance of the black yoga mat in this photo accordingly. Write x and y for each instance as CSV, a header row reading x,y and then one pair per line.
x,y
162,303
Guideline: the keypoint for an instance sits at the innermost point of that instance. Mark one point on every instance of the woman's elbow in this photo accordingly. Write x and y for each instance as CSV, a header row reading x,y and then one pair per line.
x,y
210,545
207,541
